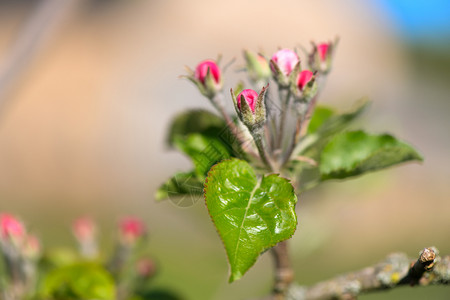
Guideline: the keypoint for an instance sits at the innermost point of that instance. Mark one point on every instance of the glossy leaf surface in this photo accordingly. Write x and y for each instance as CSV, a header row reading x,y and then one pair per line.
x,y
251,214
356,152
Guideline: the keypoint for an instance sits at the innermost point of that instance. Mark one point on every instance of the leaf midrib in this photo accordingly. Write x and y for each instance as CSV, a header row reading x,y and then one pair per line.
x,y
252,194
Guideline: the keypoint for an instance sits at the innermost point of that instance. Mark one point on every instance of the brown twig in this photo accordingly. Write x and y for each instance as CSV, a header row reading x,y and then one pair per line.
x,y
284,275
396,270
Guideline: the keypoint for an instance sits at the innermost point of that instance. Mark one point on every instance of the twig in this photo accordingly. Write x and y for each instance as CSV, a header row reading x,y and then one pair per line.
x,y
284,275
396,270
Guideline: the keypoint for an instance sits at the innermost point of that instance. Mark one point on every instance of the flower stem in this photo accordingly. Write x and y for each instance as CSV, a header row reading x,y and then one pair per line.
x,y
284,275
257,137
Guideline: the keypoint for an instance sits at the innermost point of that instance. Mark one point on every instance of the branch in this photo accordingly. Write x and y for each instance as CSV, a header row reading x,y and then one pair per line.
x,y
396,270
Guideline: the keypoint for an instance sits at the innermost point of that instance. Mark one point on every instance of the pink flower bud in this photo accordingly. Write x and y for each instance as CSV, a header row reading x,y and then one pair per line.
x,y
323,50
84,229
286,59
250,96
145,267
131,229
11,228
304,77
202,70
32,247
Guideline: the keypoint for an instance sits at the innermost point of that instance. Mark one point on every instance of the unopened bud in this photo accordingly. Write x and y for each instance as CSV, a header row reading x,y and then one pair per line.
x,y
321,56
32,247
251,108
131,229
306,87
257,67
84,229
282,64
145,268
11,229
207,77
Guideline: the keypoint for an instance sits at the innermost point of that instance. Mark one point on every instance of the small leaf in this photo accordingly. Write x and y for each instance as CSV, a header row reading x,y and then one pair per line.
x,y
326,123
320,116
356,152
204,152
79,281
182,184
251,214
195,121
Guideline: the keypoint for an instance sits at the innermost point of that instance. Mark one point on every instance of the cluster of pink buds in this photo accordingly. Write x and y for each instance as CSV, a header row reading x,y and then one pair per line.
x,y
20,251
293,83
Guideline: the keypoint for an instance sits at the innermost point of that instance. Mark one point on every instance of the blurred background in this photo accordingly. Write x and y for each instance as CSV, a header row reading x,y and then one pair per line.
x,y
88,88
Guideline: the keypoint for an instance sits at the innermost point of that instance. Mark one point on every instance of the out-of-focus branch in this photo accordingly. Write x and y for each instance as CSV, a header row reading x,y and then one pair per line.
x,y
30,38
396,270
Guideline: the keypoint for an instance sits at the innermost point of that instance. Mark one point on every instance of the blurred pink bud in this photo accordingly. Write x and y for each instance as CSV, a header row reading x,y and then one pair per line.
x,y
11,227
323,50
304,77
202,70
145,267
131,229
286,59
250,96
84,229
32,247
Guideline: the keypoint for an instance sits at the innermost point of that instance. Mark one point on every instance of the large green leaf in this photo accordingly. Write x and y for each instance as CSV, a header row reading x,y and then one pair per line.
x,y
180,185
204,152
195,121
251,214
356,152
79,281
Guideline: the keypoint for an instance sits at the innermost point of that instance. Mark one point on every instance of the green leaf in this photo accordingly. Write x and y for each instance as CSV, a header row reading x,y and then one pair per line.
x,y
180,185
325,123
320,116
251,214
356,152
79,281
204,152
195,121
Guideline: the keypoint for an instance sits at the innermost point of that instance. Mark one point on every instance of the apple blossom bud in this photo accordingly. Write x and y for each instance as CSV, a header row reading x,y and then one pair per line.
x,y
321,56
32,247
207,77
84,229
131,229
305,88
323,50
257,67
11,229
250,96
251,108
145,268
207,66
304,77
285,60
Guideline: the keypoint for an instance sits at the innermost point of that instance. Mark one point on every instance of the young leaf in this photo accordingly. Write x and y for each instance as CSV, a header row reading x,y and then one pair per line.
x,y
181,184
204,152
251,214
195,121
356,152
78,281
320,116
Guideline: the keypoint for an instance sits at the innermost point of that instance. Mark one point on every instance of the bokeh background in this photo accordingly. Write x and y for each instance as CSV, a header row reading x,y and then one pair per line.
x,y
88,88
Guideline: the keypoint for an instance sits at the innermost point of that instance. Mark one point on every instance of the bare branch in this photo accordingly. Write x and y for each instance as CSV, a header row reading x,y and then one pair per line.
x,y
396,270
